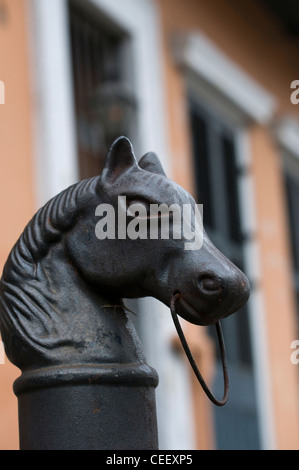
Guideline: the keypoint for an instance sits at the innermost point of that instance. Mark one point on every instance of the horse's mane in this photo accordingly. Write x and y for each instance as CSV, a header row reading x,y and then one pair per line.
x,y
20,298
51,222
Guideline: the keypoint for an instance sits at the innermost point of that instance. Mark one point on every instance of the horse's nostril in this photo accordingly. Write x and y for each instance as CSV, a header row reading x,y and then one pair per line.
x,y
209,283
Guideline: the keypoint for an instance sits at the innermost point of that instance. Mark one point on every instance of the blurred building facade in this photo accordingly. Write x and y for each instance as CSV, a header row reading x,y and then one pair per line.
x,y
207,86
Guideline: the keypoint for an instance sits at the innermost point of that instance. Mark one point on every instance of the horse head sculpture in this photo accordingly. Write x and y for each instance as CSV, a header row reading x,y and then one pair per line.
x,y
60,278
62,318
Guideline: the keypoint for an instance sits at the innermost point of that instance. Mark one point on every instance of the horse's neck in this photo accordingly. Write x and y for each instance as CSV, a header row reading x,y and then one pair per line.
x,y
90,326
70,294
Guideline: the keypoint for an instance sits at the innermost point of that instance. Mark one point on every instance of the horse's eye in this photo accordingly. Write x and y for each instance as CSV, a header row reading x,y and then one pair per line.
x,y
142,206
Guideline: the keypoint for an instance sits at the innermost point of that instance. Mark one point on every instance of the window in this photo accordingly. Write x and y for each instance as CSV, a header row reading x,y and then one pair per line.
x,y
217,173
217,188
104,102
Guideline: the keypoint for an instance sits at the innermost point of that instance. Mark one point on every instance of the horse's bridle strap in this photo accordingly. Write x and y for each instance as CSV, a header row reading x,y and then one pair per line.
x,y
224,399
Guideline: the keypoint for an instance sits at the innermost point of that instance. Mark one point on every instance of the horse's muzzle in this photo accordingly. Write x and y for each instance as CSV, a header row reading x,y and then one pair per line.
x,y
214,298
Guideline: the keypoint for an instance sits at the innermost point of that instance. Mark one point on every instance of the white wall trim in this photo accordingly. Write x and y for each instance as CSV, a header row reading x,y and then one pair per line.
x,y
287,134
54,126
197,53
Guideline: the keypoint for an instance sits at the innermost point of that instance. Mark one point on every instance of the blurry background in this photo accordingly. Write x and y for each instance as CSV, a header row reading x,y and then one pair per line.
x,y
207,85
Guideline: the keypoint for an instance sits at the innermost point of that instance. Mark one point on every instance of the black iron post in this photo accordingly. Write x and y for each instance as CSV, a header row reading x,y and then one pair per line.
x,y
88,408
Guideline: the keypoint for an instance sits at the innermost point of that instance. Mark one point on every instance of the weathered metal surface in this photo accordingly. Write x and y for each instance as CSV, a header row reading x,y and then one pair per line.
x,y
94,408
85,382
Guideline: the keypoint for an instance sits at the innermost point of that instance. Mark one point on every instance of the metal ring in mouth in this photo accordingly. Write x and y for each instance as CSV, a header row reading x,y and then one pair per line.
x,y
206,389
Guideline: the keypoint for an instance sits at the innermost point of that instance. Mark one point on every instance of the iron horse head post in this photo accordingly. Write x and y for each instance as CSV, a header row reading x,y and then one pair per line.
x,y
85,383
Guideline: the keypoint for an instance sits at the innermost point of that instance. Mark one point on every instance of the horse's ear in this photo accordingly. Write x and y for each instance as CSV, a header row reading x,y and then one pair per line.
x,y
119,158
150,162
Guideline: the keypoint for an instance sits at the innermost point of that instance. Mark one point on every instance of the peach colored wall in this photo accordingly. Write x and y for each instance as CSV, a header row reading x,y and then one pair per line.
x,y
255,40
16,182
